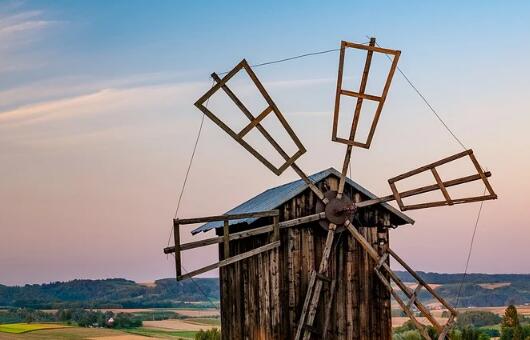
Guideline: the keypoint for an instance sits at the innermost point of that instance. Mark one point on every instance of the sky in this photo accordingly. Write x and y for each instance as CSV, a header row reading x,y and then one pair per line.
x,y
97,124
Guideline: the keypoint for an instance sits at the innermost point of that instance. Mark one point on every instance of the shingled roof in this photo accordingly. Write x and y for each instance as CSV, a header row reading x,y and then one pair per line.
x,y
274,197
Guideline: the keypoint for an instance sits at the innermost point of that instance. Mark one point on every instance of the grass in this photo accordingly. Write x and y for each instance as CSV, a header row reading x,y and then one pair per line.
x,y
152,332
18,328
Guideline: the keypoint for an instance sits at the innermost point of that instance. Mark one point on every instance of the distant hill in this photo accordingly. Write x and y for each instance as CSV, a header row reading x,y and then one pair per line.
x,y
438,278
111,293
480,290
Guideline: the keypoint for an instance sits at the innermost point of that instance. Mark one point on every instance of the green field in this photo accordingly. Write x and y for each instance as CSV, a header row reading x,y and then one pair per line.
x,y
18,328
70,333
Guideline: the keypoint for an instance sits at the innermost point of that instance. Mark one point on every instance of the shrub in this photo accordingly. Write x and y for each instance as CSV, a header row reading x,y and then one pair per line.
x,y
211,334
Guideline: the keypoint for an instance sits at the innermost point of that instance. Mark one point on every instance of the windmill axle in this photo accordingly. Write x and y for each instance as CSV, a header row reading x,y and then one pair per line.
x,y
338,210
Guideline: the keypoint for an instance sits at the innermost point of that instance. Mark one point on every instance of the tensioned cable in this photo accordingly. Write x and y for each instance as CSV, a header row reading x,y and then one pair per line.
x,y
293,58
477,220
189,168
427,103
289,59
470,251
200,289
431,108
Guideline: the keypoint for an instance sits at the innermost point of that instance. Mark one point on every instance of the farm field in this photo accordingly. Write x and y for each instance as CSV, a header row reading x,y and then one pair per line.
x,y
523,310
19,328
399,321
75,333
185,328
69,333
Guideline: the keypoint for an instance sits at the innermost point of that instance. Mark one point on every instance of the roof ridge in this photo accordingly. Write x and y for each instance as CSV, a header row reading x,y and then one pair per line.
x,y
276,196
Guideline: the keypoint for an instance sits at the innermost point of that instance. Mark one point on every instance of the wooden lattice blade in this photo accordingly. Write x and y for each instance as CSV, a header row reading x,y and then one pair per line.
x,y
254,118
255,123
360,94
421,190
489,194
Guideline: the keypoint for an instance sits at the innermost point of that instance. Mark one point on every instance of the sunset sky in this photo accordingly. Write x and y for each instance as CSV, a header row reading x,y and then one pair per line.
x,y
97,124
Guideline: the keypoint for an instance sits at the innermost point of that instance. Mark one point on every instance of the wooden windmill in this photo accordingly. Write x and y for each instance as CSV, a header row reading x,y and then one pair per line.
x,y
312,257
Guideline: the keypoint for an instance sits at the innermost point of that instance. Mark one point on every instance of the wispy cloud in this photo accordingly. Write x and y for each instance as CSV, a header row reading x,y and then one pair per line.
x,y
94,103
58,88
18,30
13,26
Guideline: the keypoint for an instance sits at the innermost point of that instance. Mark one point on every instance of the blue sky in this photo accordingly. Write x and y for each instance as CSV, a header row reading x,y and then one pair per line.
x,y
97,122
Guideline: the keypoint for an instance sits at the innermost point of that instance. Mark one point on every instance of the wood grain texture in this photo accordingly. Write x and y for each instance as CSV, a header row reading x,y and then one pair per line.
x,y
271,299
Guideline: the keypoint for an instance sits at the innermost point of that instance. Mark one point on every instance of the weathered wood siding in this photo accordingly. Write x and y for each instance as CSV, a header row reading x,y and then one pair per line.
x,y
261,297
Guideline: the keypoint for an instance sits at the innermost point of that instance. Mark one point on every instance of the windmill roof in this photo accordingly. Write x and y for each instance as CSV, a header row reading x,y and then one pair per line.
x,y
274,197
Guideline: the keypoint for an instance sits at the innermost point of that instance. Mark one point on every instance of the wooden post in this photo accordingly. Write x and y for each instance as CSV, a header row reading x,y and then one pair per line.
x,y
226,239
276,228
176,233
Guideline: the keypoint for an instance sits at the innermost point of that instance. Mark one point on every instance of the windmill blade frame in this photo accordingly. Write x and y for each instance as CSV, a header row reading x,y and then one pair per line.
x,y
442,186
255,123
361,95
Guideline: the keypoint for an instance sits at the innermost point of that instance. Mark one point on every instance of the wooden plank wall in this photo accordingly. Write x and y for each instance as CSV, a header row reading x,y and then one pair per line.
x,y
261,297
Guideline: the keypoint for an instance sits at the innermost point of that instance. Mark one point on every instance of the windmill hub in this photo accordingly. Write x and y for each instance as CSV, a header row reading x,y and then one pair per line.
x,y
338,210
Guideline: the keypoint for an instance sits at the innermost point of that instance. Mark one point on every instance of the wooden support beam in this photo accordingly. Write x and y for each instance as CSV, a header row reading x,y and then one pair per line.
x,y
276,228
314,288
383,98
254,122
414,295
441,185
410,314
397,197
310,183
176,235
226,239
422,282
231,260
268,213
430,166
247,233
338,92
360,95
370,48
375,256
454,201
328,309
481,173
362,89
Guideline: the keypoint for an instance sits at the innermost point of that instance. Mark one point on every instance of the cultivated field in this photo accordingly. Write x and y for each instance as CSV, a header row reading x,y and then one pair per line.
x,y
189,323
69,333
19,328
